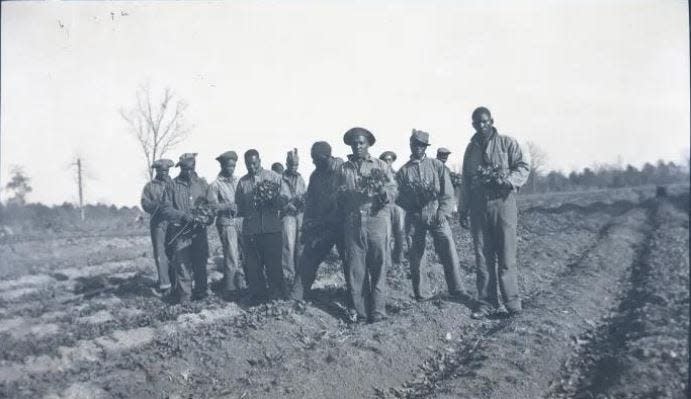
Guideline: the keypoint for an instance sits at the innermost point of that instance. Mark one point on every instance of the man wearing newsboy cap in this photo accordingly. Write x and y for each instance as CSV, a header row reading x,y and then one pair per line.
x,y
221,195
152,201
185,195
426,195
367,224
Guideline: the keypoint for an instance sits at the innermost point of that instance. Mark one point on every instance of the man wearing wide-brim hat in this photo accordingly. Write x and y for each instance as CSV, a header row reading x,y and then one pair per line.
x,y
152,202
221,195
367,220
397,215
185,195
426,194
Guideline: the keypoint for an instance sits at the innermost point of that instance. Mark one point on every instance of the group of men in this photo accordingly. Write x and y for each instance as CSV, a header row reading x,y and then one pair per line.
x,y
370,213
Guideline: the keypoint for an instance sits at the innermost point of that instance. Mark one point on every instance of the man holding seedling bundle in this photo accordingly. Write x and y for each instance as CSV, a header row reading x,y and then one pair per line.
x,y
366,187
426,195
185,207
260,196
152,202
292,215
494,168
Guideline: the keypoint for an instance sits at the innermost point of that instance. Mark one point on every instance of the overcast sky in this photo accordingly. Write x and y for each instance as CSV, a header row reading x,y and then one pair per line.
x,y
588,81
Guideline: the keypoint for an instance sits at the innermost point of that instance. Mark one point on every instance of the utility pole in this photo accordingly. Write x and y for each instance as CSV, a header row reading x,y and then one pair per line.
x,y
81,190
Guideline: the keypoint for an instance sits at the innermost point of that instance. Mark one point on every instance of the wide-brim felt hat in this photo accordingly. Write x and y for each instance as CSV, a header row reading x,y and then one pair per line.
x,y
357,131
388,153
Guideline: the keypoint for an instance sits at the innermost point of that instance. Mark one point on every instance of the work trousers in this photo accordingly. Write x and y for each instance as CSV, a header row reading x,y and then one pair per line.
x,y
446,250
290,254
263,265
398,231
493,226
158,240
368,254
315,250
189,261
233,273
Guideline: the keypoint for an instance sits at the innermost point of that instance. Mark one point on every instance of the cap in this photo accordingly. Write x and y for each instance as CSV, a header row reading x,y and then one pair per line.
x,y
443,150
162,164
187,158
420,136
226,156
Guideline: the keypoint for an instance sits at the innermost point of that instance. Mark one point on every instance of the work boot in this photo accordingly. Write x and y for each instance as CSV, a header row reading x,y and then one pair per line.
x,y
377,317
482,312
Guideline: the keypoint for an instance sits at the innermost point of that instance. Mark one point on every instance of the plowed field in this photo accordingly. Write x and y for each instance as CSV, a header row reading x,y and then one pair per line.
x,y
604,277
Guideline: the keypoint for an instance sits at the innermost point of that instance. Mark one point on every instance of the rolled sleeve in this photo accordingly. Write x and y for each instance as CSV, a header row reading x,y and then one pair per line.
x,y
519,164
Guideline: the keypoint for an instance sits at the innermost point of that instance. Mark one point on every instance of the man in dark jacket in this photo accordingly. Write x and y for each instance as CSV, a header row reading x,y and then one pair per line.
x,y
152,201
322,226
185,208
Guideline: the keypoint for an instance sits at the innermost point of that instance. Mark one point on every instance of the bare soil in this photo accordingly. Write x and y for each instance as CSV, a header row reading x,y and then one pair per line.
x,y
604,276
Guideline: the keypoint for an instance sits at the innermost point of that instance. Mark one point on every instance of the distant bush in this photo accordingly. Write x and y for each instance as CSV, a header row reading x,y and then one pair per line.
x,y
33,219
607,176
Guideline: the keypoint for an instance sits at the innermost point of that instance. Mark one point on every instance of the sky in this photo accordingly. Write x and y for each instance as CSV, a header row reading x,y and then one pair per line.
x,y
590,82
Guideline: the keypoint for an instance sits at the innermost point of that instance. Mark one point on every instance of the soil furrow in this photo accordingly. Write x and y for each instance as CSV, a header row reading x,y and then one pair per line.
x,y
643,344
500,367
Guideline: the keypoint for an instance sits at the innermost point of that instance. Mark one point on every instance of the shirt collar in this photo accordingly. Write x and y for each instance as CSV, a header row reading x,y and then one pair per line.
x,y
229,179
414,160
353,158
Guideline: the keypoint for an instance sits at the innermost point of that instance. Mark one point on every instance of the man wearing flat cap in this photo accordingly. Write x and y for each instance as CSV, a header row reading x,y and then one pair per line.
x,y
277,167
152,202
262,229
397,215
322,227
367,186
443,154
426,195
292,215
494,168
221,196
185,196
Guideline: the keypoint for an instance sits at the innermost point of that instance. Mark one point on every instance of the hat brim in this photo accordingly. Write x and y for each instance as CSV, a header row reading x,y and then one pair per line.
x,y
357,131
421,142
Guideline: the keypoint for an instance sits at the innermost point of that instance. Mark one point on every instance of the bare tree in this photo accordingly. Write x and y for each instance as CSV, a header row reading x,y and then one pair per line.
x,y
538,160
158,125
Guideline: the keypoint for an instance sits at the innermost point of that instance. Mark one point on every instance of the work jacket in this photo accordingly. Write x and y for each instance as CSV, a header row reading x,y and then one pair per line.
x,y
152,199
432,172
499,151
349,175
221,193
263,219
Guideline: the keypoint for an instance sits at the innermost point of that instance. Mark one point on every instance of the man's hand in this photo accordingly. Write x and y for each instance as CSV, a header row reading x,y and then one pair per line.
x,y
439,218
187,218
464,220
290,208
504,184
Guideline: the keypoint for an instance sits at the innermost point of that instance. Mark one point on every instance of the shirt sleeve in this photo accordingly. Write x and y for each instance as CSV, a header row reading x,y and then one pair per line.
x,y
168,207
466,181
391,187
446,194
240,200
519,164
149,203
